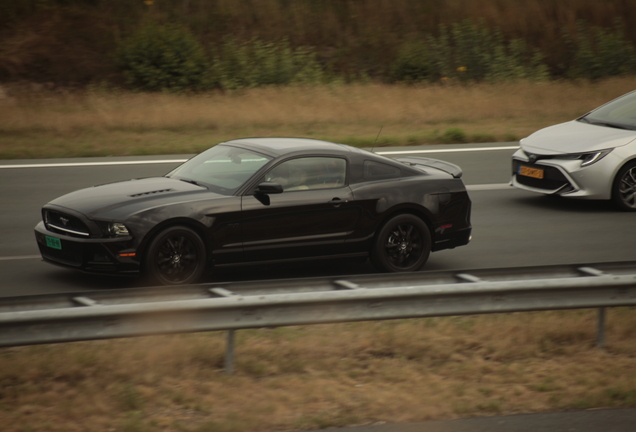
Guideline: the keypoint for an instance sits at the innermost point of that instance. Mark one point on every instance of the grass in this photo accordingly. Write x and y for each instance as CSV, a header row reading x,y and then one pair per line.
x,y
104,123
314,377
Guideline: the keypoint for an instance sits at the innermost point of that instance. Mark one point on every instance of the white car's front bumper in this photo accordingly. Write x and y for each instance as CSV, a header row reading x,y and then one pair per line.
x,y
566,177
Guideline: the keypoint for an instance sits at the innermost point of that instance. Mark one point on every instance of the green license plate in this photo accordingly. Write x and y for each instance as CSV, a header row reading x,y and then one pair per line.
x,y
53,242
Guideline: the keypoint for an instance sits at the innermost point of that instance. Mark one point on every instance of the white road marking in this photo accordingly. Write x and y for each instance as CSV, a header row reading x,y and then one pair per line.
x,y
448,150
488,187
166,161
20,257
85,164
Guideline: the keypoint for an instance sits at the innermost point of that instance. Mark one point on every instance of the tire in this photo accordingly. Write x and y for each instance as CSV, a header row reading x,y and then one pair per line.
x,y
403,244
624,187
175,256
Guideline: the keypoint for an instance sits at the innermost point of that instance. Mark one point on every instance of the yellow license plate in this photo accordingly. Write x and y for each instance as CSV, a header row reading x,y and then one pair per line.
x,y
531,172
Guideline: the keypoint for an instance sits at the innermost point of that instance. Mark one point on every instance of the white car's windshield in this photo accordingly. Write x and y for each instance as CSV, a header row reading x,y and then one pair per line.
x,y
222,169
619,113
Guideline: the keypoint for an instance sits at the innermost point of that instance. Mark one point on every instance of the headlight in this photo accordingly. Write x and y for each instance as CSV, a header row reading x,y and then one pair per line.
x,y
593,157
117,229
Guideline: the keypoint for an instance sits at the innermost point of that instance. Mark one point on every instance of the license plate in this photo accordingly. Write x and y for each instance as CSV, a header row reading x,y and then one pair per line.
x,y
531,172
53,242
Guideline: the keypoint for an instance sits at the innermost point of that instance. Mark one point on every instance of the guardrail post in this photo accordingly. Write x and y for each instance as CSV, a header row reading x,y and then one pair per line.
x,y
229,353
600,329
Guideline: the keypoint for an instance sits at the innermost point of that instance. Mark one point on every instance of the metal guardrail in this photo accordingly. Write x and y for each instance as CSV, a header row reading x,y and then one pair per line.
x,y
242,305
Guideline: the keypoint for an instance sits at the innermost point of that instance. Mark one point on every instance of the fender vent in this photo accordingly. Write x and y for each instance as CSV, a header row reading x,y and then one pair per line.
x,y
150,193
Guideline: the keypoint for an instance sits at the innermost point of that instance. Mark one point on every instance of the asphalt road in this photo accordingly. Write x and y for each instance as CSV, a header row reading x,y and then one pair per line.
x,y
511,228
610,420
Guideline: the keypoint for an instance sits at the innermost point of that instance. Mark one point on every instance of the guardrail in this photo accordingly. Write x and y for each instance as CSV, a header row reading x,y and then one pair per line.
x,y
234,306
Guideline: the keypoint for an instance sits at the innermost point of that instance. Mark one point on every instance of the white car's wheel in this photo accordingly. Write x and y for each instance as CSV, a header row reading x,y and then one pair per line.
x,y
624,188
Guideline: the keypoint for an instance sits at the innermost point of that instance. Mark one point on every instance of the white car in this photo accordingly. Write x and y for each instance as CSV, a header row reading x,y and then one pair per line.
x,y
592,157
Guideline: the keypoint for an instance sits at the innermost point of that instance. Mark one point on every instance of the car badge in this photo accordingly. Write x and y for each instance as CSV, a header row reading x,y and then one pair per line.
x,y
64,221
532,158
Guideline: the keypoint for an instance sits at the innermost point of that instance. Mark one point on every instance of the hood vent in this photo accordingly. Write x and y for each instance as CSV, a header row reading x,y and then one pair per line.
x,y
150,193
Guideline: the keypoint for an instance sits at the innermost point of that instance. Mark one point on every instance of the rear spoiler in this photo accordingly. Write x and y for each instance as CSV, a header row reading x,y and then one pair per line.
x,y
420,162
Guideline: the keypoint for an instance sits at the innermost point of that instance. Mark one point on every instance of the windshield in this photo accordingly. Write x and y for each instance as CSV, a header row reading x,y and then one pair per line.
x,y
222,169
619,113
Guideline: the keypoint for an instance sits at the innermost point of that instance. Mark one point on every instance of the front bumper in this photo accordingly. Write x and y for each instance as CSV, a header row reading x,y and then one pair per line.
x,y
566,177
92,255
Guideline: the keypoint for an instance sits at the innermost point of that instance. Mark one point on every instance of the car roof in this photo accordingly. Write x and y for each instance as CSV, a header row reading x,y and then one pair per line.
x,y
282,146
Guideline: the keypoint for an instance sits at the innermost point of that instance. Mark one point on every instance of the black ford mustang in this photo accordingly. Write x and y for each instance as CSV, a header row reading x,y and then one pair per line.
x,y
261,200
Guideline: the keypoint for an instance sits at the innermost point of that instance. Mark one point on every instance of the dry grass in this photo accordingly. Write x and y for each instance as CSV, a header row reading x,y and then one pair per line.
x,y
312,377
101,123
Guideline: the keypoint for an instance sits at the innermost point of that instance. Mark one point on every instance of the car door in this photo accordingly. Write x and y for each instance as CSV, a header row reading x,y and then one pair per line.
x,y
311,217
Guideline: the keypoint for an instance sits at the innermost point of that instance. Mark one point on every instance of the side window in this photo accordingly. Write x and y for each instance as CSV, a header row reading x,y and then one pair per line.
x,y
309,173
378,171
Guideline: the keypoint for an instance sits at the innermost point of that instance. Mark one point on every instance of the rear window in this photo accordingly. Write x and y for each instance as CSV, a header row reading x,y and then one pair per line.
x,y
378,171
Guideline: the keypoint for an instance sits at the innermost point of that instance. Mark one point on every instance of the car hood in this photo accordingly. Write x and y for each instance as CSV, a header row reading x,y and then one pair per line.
x,y
576,137
126,197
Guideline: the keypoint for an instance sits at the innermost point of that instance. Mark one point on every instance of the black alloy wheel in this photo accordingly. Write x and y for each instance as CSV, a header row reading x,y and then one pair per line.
x,y
403,244
175,256
624,187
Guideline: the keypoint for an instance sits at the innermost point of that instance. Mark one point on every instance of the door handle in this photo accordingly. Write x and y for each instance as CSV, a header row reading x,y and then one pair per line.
x,y
336,202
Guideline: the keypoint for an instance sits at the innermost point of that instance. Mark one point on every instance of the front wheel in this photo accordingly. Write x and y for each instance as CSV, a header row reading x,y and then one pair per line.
x,y
624,187
175,256
403,244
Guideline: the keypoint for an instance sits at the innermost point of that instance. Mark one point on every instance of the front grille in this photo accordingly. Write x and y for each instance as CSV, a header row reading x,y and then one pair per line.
x,y
552,179
62,223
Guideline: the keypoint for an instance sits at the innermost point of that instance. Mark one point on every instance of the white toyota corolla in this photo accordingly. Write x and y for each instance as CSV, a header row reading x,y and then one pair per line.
x,y
592,157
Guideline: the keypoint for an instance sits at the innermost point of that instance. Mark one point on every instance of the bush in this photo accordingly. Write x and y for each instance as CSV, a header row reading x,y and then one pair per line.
x,y
258,63
468,51
599,53
163,57
453,135
413,63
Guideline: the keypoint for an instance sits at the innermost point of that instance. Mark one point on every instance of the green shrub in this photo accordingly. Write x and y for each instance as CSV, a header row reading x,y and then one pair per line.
x,y
453,135
413,63
472,50
468,51
257,63
163,57
599,53
515,61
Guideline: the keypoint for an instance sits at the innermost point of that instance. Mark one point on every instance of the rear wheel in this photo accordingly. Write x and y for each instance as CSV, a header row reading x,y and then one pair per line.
x,y
403,244
175,256
624,187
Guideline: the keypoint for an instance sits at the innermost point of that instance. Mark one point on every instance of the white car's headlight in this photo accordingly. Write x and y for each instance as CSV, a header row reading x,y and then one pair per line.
x,y
118,229
593,157
587,158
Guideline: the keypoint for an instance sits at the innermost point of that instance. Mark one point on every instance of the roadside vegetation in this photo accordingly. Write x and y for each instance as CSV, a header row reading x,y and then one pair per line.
x,y
313,377
105,122
230,43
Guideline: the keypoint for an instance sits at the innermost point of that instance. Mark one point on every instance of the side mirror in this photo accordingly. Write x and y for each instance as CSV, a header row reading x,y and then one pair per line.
x,y
267,188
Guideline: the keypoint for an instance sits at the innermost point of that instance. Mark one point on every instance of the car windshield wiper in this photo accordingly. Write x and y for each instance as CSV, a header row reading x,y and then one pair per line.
x,y
191,182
